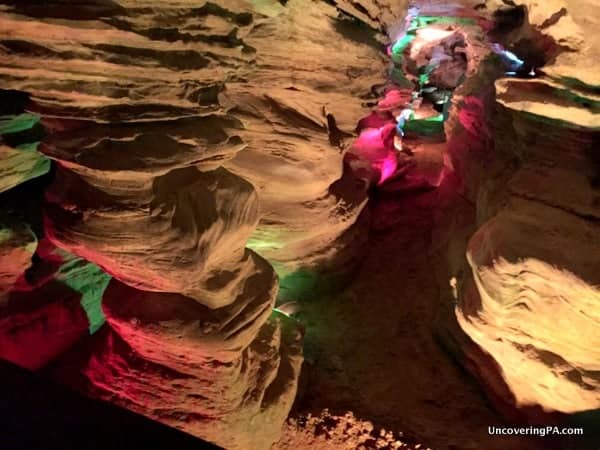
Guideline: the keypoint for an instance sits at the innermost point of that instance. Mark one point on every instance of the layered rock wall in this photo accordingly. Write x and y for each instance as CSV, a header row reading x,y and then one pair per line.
x,y
535,260
528,297
179,132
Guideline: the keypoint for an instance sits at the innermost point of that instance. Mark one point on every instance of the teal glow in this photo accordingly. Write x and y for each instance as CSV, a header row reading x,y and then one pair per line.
x,y
580,101
576,83
399,78
299,283
402,43
293,285
15,124
91,282
36,165
425,21
429,126
42,164
29,147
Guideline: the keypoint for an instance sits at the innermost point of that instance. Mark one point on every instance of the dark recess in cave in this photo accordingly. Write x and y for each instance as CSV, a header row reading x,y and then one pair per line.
x,y
36,414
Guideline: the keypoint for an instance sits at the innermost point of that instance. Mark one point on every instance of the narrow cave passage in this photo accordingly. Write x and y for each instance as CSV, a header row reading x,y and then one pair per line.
x,y
379,370
373,350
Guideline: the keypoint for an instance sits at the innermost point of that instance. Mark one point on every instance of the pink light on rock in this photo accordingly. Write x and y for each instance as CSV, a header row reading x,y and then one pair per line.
x,y
374,120
388,167
395,99
375,148
374,143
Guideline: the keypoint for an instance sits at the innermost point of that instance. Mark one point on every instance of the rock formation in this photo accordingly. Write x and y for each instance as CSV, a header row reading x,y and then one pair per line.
x,y
528,299
17,245
315,72
49,299
50,307
19,160
201,150
179,133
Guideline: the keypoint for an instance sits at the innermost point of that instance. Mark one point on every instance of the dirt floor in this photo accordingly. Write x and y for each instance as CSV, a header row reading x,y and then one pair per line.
x,y
375,377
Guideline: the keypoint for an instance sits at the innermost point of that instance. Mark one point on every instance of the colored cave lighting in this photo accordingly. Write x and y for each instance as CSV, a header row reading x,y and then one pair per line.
x,y
511,61
401,44
279,311
91,289
425,29
16,124
426,127
425,21
421,23
376,146
288,309
86,278
404,116
21,128
387,167
296,284
433,34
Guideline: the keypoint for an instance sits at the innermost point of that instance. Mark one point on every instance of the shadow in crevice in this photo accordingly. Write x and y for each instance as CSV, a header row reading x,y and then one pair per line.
x,y
36,414
354,30
66,9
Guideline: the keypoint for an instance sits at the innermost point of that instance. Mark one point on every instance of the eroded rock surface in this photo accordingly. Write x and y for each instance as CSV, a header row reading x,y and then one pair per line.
x,y
17,245
287,83
179,133
19,134
183,133
530,299
51,306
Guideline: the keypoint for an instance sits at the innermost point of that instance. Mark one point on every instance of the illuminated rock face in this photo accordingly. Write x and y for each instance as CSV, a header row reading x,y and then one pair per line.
x,y
533,305
300,106
51,307
228,374
17,245
530,299
19,160
193,144
181,135
49,299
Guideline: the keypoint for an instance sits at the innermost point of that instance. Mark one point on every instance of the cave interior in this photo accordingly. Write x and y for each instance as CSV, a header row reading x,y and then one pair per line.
x,y
300,224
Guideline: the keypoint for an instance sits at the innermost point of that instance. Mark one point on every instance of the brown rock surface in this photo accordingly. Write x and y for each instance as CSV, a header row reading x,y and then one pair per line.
x,y
19,165
17,246
183,132
530,303
19,159
175,129
245,76
189,379
535,312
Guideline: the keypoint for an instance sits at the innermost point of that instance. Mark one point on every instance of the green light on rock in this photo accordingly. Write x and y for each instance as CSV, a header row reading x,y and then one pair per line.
x,y
91,282
16,124
402,44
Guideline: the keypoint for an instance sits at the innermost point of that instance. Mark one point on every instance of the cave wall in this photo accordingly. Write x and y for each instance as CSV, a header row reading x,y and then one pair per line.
x,y
525,152
179,133
190,142
198,153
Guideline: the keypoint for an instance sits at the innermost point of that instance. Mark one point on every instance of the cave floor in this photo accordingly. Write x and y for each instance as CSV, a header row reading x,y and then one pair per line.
x,y
372,358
